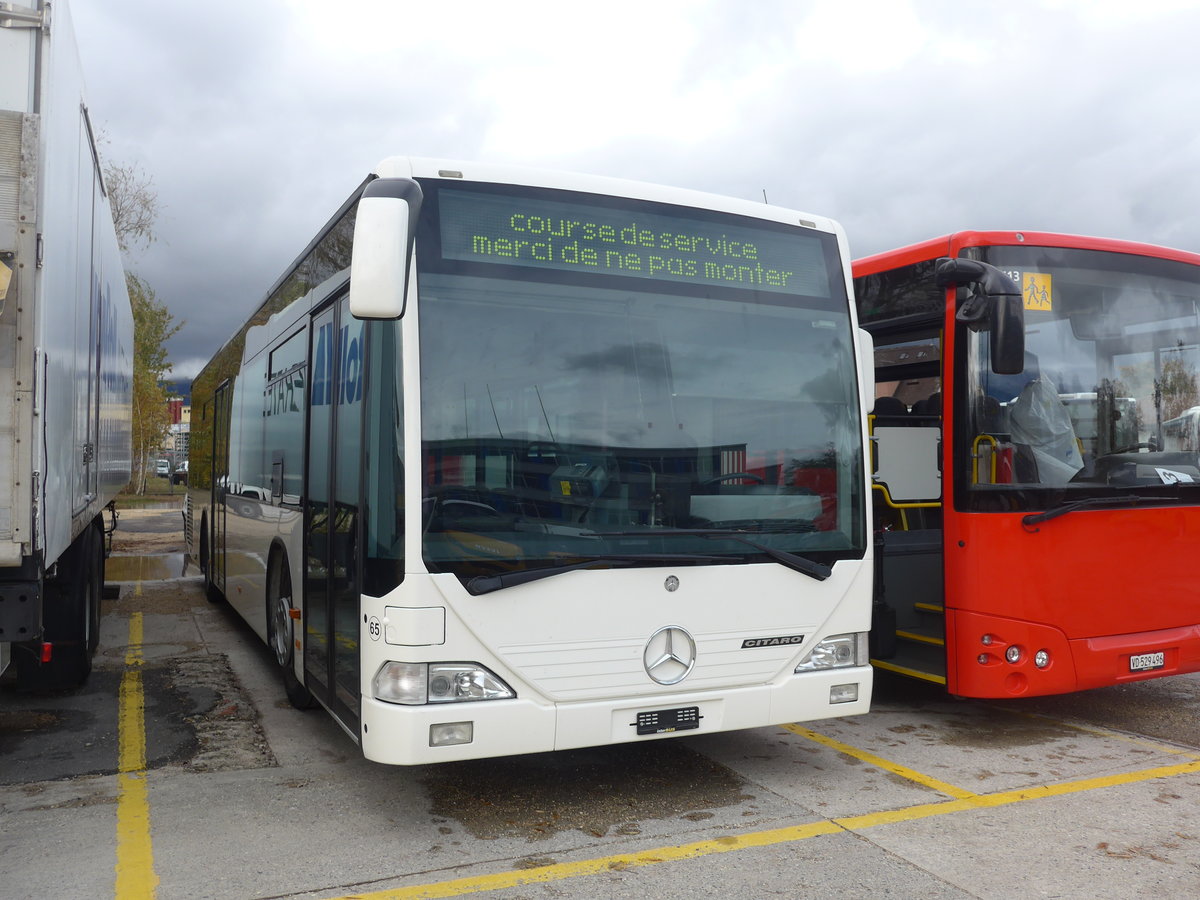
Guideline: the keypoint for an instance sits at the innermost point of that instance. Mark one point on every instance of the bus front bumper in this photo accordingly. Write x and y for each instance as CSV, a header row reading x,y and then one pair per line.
x,y
414,735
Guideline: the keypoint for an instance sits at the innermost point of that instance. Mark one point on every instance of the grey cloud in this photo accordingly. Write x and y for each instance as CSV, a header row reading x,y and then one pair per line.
x,y
1050,119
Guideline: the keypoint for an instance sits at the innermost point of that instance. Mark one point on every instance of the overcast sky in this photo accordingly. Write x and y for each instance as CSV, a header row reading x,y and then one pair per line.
x,y
902,120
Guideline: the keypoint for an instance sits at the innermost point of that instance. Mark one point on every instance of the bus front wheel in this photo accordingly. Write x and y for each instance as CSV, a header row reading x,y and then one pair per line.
x,y
280,630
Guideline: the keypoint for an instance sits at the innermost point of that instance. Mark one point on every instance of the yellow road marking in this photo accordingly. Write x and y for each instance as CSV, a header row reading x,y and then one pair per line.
x,y
1018,795
885,764
1135,740
561,871
135,876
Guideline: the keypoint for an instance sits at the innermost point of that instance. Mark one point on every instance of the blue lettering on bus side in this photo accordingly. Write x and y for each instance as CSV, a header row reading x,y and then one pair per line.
x,y
349,382
322,365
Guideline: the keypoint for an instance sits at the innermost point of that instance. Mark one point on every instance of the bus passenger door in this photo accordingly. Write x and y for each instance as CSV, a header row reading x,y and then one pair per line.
x,y
332,523
908,634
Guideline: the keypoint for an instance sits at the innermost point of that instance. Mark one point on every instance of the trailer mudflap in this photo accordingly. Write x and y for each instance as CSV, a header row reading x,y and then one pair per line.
x,y
20,611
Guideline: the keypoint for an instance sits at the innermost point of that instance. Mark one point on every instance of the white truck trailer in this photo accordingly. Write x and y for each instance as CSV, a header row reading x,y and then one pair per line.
x,y
66,354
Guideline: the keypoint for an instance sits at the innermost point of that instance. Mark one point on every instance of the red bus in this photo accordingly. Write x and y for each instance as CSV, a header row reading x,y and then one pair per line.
x,y
1037,483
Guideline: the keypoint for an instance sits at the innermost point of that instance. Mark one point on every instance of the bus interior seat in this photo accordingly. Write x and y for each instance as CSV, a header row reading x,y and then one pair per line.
x,y
890,408
929,406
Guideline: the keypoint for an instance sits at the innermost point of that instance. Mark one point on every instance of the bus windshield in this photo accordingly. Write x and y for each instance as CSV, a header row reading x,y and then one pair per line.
x,y
630,383
1109,397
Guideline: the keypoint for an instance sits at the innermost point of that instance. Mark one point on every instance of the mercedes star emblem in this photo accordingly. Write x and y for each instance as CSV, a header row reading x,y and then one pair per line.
x,y
670,655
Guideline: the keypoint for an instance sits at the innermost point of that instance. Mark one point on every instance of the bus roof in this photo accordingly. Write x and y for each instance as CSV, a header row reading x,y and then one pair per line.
x,y
950,244
418,167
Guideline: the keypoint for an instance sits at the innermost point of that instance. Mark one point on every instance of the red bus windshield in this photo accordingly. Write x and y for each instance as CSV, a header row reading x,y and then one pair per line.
x,y
1109,397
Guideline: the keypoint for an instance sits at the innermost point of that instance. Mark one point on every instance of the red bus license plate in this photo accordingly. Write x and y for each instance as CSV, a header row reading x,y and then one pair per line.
x,y
1144,662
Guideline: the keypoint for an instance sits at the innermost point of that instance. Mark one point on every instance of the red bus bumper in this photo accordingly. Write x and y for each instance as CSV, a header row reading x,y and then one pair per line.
x,y
995,657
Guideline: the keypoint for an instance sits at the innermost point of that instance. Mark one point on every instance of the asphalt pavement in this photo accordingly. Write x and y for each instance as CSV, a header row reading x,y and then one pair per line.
x,y
180,771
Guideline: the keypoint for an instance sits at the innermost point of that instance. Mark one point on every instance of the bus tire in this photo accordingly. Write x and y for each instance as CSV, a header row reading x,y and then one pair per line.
x,y
70,618
280,629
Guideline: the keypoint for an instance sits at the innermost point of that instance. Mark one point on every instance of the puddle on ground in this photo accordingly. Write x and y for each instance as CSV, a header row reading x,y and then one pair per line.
x,y
145,567
590,790
1003,732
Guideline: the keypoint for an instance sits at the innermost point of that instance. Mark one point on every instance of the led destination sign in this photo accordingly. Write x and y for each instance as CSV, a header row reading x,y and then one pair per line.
x,y
576,237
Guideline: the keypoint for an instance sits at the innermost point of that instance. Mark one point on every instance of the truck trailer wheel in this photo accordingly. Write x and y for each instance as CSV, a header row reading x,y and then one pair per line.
x,y
70,618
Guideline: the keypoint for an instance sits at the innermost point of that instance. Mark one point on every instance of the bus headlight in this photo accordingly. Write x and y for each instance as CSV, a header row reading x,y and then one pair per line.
x,y
838,651
452,682
415,684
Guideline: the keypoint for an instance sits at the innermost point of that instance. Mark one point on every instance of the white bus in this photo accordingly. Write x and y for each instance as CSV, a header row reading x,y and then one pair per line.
x,y
1182,433
513,461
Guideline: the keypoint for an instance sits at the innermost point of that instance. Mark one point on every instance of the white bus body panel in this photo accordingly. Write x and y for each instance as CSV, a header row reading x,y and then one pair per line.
x,y
571,647
66,328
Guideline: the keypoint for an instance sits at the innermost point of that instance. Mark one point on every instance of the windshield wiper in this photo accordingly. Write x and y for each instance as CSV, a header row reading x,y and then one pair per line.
x,y
485,584
801,564
1071,506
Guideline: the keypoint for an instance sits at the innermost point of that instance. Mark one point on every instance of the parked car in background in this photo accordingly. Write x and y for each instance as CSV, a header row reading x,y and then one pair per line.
x,y
181,472
163,468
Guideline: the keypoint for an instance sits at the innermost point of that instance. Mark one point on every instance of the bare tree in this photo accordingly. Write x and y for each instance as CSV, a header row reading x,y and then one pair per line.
x,y
134,203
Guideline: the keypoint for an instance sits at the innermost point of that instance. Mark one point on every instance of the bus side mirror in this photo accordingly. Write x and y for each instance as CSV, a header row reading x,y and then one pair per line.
x,y
997,305
1006,340
384,225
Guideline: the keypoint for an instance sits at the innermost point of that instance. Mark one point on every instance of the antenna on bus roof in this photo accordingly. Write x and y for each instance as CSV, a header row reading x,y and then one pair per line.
x,y
499,430
765,197
544,416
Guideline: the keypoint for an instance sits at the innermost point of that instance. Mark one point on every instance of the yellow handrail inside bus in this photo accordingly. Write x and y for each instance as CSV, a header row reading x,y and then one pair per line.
x,y
871,442
902,507
975,456
919,504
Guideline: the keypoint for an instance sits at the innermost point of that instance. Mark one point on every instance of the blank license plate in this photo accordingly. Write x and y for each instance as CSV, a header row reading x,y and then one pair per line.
x,y
665,721
1143,662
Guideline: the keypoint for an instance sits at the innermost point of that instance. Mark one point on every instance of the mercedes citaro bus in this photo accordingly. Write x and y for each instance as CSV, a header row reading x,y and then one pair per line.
x,y
512,461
